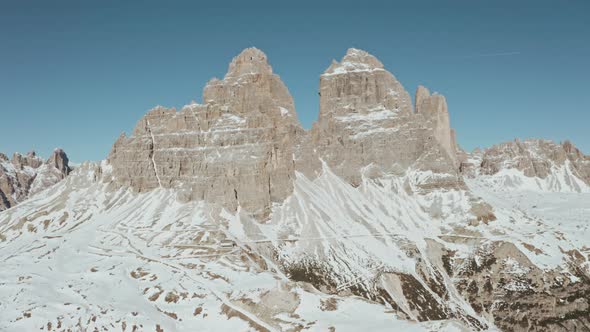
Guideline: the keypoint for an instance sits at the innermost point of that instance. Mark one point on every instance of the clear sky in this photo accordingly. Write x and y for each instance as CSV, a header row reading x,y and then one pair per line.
x,y
75,74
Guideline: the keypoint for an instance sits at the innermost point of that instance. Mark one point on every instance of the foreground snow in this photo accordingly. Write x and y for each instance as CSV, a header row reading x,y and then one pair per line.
x,y
81,256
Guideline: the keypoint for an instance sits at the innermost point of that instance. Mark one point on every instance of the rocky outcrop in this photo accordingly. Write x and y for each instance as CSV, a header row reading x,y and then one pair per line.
x,y
434,108
235,149
241,146
535,158
367,120
561,165
59,160
24,175
501,283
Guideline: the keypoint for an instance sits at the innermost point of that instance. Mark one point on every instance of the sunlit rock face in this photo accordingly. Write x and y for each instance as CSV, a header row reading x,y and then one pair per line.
x,y
25,175
234,149
367,123
240,147
433,107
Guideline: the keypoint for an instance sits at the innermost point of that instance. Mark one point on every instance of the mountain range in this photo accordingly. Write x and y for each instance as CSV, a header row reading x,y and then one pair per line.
x,y
227,214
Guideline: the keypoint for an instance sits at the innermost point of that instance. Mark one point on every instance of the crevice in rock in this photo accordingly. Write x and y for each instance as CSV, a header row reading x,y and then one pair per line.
x,y
152,153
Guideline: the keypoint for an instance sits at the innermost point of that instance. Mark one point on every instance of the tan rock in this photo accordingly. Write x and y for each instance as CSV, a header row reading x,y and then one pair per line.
x,y
366,118
243,144
434,109
59,160
234,150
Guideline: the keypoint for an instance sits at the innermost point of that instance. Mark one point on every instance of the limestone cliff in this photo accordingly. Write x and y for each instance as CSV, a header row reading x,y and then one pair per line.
x,y
367,122
234,149
241,146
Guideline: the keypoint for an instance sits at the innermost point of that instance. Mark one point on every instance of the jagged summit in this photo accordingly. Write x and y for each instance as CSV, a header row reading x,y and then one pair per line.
x,y
233,150
422,93
535,164
29,160
248,123
354,60
251,87
25,175
434,109
249,62
367,118
360,83
59,160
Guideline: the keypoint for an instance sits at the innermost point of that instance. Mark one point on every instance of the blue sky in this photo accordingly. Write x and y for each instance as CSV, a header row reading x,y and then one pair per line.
x,y
75,74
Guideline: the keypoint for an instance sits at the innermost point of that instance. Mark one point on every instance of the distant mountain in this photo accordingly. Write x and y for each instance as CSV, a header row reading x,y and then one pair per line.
x,y
533,165
227,215
25,175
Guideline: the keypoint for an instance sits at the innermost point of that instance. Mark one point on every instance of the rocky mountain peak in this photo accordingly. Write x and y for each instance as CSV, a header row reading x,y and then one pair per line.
x,y
250,87
359,83
241,147
422,93
572,150
250,61
367,118
234,150
433,107
24,175
550,166
30,159
429,104
59,160
354,60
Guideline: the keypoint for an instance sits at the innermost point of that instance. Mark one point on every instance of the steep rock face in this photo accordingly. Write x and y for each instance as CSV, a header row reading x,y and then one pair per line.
x,y
234,149
24,175
366,119
434,108
59,160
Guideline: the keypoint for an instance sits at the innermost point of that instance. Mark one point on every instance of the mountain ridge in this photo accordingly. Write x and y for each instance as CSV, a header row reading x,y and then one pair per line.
x,y
272,227
25,175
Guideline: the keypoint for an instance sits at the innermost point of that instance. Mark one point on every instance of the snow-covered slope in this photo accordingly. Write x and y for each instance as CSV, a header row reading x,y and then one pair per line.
x,y
559,179
374,241
547,225
83,257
